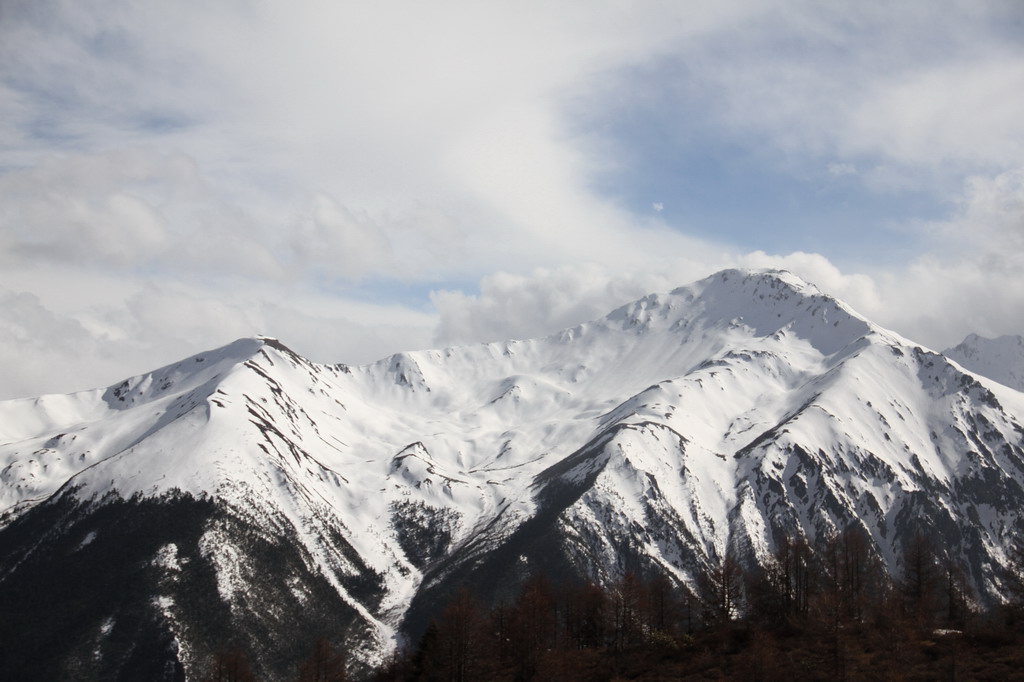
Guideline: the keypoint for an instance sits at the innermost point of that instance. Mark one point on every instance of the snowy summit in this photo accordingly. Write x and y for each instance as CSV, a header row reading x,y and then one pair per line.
x,y
720,417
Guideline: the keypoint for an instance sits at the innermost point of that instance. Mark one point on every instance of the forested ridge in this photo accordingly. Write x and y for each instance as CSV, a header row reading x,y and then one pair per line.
x,y
827,612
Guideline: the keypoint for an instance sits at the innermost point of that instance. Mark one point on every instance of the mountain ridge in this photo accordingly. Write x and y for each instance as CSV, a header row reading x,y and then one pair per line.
x,y
676,429
1000,359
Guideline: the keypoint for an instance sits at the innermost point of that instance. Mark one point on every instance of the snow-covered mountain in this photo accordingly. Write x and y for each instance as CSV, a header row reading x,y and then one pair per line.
x,y
249,495
1001,359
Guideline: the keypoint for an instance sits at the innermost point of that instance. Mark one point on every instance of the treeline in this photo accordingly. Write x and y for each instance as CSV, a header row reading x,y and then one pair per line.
x,y
324,664
831,613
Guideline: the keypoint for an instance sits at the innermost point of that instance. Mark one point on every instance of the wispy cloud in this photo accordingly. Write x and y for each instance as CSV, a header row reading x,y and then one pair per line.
x,y
176,174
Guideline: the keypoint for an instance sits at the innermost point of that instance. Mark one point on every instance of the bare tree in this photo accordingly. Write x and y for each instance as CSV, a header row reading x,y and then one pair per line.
x,y
920,580
230,666
628,608
533,627
1013,579
721,589
587,617
460,640
324,665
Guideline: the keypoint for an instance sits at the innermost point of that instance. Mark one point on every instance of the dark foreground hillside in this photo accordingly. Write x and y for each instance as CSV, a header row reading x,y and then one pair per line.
x,y
828,615
986,650
758,653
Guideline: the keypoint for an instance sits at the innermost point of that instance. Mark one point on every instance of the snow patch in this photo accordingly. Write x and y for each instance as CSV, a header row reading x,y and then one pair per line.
x,y
87,540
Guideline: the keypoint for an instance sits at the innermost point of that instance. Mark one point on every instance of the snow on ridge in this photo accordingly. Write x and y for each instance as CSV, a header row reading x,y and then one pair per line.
x,y
73,434
723,406
1000,359
262,405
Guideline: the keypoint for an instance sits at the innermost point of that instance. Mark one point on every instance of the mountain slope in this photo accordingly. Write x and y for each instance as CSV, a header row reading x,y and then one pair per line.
x,y
722,415
1000,359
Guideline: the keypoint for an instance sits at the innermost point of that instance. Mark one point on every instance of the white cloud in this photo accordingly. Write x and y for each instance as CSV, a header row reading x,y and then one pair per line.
x,y
926,91
938,302
173,175
130,209
342,243
435,131
966,114
991,215
524,306
551,299
970,281
46,352
858,289
63,346
932,301
838,169
84,208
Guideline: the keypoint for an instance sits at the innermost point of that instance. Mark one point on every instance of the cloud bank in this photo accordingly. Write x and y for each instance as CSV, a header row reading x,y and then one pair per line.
x,y
362,179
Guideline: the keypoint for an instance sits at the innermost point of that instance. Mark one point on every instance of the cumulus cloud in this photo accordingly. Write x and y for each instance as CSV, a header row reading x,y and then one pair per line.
x,y
933,301
181,316
343,243
129,209
961,113
400,114
84,207
922,91
62,348
547,300
857,289
970,280
48,348
990,216
173,175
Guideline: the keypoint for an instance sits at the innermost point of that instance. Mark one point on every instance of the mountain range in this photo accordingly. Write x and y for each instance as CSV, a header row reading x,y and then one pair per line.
x,y
1001,359
248,497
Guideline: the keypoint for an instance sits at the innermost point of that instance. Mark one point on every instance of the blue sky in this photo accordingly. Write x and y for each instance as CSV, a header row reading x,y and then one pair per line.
x,y
362,179
719,189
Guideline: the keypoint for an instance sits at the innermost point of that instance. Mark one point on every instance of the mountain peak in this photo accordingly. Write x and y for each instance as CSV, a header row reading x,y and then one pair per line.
x,y
186,374
763,302
759,287
745,277
1000,359
738,411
